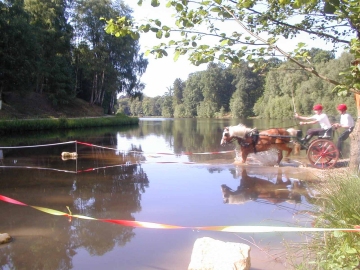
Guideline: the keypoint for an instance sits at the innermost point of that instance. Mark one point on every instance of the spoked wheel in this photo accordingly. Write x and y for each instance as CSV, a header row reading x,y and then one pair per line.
x,y
323,154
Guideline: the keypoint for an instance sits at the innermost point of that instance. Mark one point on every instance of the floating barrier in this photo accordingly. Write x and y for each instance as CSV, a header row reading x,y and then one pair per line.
x,y
74,156
161,153
115,149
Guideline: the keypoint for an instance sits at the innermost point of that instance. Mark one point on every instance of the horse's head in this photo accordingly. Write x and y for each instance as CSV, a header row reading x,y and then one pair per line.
x,y
226,138
238,132
233,197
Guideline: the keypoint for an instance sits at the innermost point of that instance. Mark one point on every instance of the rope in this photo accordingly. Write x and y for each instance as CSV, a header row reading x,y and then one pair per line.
x,y
38,168
38,145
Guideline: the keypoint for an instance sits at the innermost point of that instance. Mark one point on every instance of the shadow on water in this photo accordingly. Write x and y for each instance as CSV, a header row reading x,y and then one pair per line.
x,y
163,171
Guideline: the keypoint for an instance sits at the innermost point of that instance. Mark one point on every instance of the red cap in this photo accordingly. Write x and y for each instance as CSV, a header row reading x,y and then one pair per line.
x,y
341,107
317,107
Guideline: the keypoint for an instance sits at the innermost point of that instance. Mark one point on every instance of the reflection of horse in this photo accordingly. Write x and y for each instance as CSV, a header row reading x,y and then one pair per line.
x,y
253,188
251,141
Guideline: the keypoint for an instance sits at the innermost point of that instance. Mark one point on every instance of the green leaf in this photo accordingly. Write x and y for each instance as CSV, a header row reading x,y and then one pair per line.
x,y
179,7
155,3
301,45
218,2
215,9
204,47
135,35
165,28
224,42
176,56
159,34
351,250
331,6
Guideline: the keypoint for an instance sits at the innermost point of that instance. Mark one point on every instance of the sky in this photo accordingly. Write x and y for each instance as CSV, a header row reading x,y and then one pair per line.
x,y
161,73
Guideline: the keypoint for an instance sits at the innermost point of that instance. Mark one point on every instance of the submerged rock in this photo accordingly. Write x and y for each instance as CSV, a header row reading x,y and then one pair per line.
x,y
211,254
5,238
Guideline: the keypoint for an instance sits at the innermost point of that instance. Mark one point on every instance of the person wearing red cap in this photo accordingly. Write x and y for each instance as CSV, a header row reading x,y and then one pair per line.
x,y
318,117
346,123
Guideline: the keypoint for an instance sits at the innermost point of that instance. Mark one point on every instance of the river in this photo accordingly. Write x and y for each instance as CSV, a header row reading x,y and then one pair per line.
x,y
164,171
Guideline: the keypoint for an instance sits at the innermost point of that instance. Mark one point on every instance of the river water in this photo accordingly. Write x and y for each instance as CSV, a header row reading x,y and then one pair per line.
x,y
164,171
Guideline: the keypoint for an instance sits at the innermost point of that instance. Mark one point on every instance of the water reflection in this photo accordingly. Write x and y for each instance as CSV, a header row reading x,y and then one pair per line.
x,y
256,188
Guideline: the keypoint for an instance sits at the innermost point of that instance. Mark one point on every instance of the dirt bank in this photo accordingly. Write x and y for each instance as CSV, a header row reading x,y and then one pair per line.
x,y
35,105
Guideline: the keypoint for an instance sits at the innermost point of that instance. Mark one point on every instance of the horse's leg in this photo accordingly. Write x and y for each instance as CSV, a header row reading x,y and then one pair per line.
x,y
279,179
288,152
280,156
244,154
283,147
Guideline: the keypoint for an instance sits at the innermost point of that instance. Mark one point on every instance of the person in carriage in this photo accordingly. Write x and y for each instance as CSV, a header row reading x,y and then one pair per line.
x,y
346,124
318,117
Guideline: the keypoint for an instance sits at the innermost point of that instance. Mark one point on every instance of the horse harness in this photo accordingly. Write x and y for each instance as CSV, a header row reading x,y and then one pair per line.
x,y
254,134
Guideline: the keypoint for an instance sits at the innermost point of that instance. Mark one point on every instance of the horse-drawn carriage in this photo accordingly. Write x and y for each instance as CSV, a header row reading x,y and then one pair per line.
x,y
321,152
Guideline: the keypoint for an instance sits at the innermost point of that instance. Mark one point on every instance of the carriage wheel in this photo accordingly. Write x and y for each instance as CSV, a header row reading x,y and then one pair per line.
x,y
323,154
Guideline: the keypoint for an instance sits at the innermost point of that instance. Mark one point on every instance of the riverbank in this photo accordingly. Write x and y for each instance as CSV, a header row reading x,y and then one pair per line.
x,y
39,106
35,112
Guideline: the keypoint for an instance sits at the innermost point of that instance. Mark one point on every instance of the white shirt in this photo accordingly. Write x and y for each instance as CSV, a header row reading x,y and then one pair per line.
x,y
323,120
346,120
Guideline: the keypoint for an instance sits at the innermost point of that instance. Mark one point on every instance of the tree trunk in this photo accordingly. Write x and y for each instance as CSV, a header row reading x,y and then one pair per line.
x,y
94,89
354,164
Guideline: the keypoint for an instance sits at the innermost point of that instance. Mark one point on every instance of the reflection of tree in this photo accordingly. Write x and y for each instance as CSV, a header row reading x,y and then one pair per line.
x,y
188,135
112,192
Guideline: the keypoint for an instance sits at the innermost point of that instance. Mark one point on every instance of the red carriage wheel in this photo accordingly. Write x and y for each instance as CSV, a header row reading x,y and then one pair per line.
x,y
323,154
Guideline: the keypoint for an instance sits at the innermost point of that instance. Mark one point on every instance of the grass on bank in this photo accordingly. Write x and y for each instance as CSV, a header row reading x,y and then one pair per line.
x,y
338,206
10,126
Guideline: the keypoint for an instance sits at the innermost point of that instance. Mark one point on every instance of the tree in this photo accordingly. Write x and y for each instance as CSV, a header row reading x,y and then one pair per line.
x,y
335,21
217,87
248,89
193,94
53,72
17,62
178,90
106,66
167,109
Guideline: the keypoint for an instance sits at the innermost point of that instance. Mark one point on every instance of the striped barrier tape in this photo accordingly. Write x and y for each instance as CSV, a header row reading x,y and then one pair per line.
x,y
151,225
